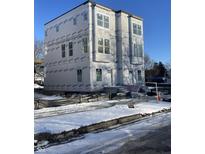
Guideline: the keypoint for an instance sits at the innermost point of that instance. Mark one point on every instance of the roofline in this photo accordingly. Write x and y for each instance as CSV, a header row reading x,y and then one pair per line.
x,y
134,16
67,12
94,3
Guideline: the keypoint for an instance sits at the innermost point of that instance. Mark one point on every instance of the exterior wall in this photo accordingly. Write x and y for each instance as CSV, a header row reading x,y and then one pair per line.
x,y
61,73
127,62
105,62
137,63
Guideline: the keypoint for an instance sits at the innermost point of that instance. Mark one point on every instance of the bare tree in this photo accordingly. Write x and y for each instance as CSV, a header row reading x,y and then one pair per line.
x,y
168,66
38,61
38,51
148,62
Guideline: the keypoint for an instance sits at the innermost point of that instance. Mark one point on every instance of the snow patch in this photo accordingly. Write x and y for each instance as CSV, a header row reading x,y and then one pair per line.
x,y
46,97
107,141
37,86
58,124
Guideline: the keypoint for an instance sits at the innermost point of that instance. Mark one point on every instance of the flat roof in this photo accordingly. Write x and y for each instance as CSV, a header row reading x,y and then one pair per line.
x,y
94,3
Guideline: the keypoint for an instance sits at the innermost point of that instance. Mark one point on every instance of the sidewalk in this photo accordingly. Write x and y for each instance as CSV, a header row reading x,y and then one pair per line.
x,y
66,122
74,108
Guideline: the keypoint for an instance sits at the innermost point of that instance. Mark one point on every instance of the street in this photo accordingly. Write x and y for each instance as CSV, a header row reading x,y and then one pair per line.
x,y
155,142
150,135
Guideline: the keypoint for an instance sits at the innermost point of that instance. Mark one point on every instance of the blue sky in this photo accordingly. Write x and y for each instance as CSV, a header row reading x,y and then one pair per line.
x,y
155,13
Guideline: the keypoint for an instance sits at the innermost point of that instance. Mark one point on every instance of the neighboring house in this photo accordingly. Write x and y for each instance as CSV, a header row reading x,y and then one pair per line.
x,y
91,47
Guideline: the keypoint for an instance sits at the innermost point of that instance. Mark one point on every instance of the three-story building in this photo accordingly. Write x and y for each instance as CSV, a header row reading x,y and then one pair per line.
x,y
91,47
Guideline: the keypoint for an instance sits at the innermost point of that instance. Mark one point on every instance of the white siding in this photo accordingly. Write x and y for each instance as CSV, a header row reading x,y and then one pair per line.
x,y
61,73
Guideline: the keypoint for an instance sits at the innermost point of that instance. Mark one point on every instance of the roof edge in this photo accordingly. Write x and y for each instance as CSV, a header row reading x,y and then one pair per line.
x,y
69,11
132,15
94,3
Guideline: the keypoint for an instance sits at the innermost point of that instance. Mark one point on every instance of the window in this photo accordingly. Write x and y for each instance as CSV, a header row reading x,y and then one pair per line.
x,y
139,73
63,50
102,20
70,48
104,47
57,28
107,46
138,50
137,29
74,21
85,16
79,75
98,75
85,45
100,45
106,22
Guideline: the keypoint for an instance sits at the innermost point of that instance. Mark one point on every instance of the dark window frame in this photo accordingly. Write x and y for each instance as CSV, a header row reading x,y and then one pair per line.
x,y
98,74
107,46
100,45
99,19
79,75
63,53
85,45
106,21
70,48
103,20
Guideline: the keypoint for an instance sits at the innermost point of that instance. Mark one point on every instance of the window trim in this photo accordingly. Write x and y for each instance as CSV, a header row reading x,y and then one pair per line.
x,y
103,46
137,31
99,20
103,20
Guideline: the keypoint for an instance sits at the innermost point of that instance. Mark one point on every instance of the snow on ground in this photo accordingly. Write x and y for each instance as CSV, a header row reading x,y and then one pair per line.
x,y
108,141
46,97
36,86
71,108
39,78
58,124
